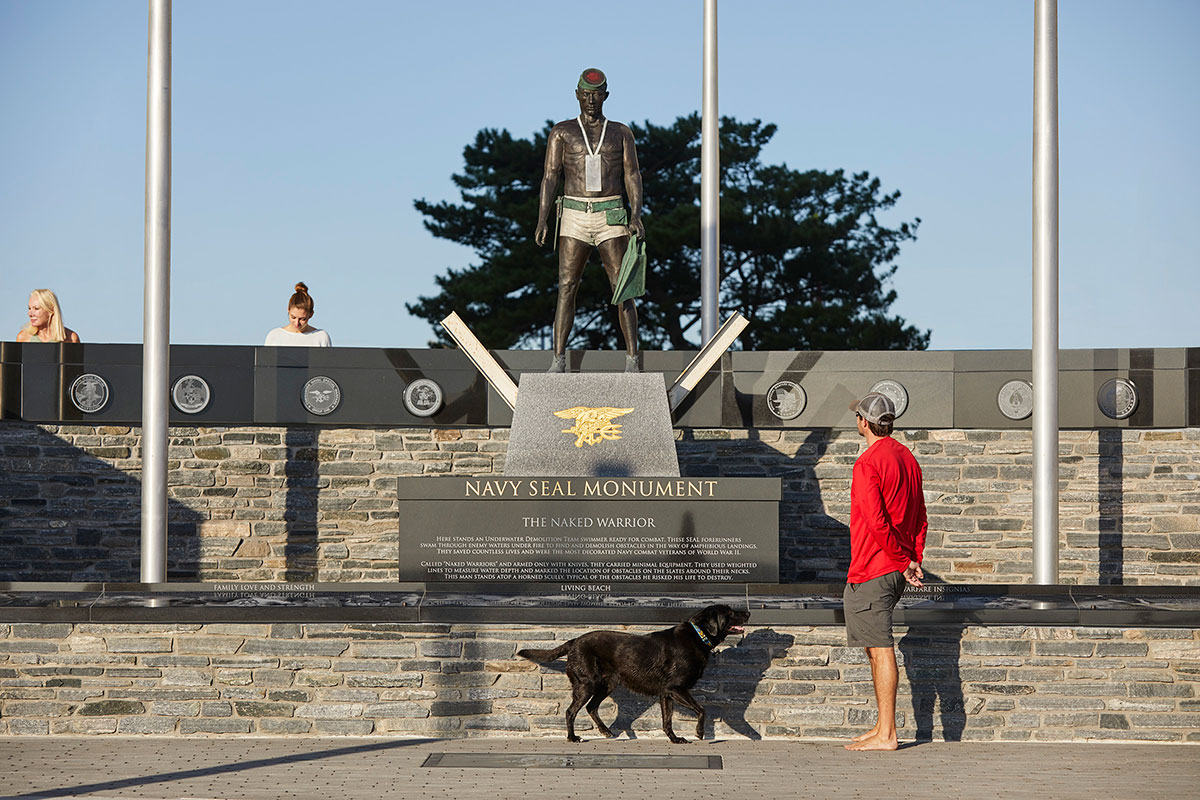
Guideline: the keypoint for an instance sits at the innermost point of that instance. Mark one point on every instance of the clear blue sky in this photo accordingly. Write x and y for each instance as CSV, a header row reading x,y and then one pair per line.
x,y
304,129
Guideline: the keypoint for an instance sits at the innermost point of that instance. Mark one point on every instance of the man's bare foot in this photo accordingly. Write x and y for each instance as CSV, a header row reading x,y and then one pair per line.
x,y
875,743
868,735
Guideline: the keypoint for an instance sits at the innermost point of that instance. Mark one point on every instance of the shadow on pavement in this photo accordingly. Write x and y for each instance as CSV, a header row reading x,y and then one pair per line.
x,y
216,769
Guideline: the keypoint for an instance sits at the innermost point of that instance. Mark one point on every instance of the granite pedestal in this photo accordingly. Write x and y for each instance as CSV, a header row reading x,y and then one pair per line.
x,y
598,424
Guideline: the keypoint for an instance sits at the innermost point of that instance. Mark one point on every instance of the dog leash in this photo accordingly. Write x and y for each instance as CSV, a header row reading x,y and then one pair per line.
x,y
700,633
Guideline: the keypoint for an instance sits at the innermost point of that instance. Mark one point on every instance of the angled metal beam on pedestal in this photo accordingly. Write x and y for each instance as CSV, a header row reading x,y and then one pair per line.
x,y
706,358
481,358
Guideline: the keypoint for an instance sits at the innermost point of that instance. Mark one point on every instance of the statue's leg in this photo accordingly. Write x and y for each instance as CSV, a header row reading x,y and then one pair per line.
x,y
572,256
611,253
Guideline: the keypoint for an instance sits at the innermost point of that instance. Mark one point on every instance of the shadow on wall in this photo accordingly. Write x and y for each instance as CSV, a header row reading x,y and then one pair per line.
x,y
931,656
930,660
813,546
736,673
1111,492
301,493
67,514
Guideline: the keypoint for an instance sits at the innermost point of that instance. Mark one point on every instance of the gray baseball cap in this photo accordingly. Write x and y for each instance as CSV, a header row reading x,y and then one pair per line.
x,y
875,408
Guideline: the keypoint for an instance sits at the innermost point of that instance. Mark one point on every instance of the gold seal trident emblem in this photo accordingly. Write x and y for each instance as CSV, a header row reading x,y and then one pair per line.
x,y
593,425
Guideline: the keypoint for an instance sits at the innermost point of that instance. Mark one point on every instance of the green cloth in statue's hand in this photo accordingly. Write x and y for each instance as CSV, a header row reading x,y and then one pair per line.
x,y
631,280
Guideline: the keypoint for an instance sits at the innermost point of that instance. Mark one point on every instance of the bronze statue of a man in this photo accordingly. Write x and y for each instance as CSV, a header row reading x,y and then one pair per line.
x,y
601,207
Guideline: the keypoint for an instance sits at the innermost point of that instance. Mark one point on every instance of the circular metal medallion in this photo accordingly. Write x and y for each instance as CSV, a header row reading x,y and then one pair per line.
x,y
894,391
1117,398
191,394
89,393
1015,399
321,395
423,397
786,400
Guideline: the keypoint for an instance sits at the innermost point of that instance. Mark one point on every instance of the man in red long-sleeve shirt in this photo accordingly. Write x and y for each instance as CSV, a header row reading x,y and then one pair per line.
x,y
887,540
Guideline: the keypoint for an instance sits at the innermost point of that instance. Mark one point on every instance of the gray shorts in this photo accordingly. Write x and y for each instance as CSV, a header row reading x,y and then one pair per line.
x,y
868,609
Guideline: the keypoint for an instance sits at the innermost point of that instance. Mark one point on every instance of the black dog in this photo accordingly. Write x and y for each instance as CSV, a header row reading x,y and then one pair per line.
x,y
664,664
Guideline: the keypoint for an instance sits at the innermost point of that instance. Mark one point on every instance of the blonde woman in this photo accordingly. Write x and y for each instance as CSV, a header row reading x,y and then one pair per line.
x,y
298,333
45,320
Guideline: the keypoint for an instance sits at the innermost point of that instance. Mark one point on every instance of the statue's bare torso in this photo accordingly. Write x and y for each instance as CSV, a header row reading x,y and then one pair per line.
x,y
567,150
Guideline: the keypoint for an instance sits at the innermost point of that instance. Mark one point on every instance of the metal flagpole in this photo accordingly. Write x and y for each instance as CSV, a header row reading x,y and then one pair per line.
x,y
710,182
157,296
1045,292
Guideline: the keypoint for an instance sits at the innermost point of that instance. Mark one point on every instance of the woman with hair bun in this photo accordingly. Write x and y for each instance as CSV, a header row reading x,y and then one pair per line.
x,y
298,333
45,320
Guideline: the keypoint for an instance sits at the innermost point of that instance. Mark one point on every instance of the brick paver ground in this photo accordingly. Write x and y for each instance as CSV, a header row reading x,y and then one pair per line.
x,y
349,769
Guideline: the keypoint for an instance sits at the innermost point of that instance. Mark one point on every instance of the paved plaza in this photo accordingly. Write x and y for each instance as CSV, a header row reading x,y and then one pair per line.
x,y
464,769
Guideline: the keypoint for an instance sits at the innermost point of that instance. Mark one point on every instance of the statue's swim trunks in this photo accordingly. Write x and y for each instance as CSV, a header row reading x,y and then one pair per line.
x,y
590,227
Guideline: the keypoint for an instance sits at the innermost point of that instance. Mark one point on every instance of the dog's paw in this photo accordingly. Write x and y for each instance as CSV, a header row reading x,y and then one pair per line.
x,y
607,733
678,740
574,738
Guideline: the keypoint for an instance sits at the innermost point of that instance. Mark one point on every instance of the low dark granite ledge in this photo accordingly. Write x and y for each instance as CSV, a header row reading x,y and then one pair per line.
x,y
814,604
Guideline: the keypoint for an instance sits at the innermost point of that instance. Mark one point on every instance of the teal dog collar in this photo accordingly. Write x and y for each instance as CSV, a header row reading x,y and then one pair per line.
x,y
700,633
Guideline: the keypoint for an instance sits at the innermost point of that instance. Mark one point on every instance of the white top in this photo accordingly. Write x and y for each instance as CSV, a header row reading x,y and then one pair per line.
x,y
313,337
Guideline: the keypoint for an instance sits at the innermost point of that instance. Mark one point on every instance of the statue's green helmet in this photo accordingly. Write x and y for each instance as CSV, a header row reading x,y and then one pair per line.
x,y
593,80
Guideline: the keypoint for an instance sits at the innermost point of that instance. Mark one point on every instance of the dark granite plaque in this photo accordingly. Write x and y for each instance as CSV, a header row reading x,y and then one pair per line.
x,y
589,531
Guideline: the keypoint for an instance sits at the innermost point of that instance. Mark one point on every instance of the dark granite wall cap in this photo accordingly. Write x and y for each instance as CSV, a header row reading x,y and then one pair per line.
x,y
359,358
206,355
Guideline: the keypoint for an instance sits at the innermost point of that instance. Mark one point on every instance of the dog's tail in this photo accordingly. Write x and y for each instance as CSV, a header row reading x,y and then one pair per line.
x,y
546,655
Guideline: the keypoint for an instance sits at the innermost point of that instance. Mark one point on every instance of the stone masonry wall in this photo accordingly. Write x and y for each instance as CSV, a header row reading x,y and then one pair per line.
x,y
314,504
970,683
